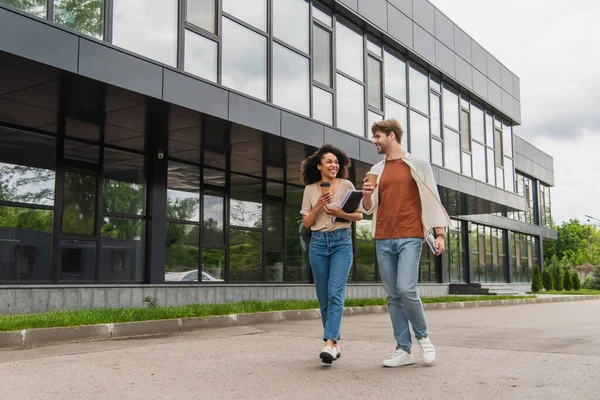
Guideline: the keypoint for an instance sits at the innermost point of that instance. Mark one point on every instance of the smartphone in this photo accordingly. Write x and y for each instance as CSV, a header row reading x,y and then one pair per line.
x,y
431,242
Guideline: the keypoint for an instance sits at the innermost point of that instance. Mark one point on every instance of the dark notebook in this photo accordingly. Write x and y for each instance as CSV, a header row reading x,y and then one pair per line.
x,y
350,203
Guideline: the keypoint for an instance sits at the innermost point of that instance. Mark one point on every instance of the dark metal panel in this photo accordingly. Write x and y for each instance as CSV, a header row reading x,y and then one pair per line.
x,y
444,29
423,14
506,79
37,41
375,11
462,44
480,83
400,27
349,143
423,43
444,58
494,94
120,69
479,57
405,6
192,93
493,69
463,71
301,129
353,4
368,153
254,114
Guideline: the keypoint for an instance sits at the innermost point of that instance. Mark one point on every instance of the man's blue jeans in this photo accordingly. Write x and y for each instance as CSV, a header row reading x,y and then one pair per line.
x,y
399,268
330,255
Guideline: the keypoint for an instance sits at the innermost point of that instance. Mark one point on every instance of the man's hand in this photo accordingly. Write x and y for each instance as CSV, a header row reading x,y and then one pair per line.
x,y
439,244
367,190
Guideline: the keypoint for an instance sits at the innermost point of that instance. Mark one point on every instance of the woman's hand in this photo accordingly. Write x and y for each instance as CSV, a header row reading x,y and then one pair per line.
x,y
324,200
334,212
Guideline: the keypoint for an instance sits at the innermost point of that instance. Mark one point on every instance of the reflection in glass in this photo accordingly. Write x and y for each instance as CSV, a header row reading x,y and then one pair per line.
x,y
365,261
499,177
80,151
436,152
79,205
35,7
274,225
297,267
183,192
322,55
419,135
77,260
123,185
419,90
374,47
322,105
395,77
509,179
491,167
85,16
290,80
321,15
245,256
489,130
293,218
349,51
466,164
374,82
213,218
350,106
253,12
450,108
398,112
203,14
274,267
246,202
479,166
372,118
200,56
182,252
213,265
435,106
25,244
477,124
452,150
122,250
244,59
23,184
290,22
147,27
507,140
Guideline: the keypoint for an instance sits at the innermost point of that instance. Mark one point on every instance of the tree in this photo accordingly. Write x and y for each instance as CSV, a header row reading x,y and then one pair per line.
x,y
567,281
547,280
576,281
558,278
595,282
536,284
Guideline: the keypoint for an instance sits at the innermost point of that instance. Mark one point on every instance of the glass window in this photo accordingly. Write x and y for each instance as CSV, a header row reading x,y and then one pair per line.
x,y
450,108
321,15
23,184
244,59
246,202
466,164
365,261
434,83
182,252
489,130
245,256
85,16
203,14
183,192
395,77
435,104
297,266
79,205
322,55
419,90
274,225
373,117
509,179
507,140
290,80
436,152
477,124
499,177
122,250
35,7
213,265
465,131
350,106
398,112
123,185
274,267
147,27
498,146
213,218
254,12
201,56
290,22
77,260
374,47
322,105
349,51
374,82
491,167
479,166
452,150
419,135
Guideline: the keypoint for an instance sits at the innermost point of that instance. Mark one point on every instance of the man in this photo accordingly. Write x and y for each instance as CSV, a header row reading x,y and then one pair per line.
x,y
405,204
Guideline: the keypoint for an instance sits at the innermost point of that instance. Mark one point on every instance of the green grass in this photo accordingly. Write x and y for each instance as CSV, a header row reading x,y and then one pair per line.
x,y
114,315
581,291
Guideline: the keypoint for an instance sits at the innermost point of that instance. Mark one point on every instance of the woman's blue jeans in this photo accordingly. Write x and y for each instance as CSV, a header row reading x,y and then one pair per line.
x,y
330,255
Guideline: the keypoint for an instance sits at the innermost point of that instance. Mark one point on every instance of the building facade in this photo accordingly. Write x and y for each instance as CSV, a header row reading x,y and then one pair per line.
x,y
159,142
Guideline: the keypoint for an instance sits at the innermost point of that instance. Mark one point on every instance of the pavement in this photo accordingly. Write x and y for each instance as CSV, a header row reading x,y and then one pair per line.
x,y
532,351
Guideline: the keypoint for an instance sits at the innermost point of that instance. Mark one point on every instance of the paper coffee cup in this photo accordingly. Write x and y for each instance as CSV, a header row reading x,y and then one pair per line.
x,y
372,179
325,187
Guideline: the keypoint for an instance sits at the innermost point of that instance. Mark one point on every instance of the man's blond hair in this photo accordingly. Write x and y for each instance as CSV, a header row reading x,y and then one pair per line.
x,y
388,126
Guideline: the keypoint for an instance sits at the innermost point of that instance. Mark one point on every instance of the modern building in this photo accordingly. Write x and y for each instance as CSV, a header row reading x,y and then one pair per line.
x,y
147,143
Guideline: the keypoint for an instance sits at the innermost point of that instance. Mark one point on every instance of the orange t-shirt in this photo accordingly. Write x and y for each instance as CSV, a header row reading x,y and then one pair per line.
x,y
399,210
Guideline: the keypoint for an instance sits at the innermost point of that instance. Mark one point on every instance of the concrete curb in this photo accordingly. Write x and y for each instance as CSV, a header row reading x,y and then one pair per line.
x,y
40,336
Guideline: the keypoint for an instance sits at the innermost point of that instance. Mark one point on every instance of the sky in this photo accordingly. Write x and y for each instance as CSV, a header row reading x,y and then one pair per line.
x,y
554,48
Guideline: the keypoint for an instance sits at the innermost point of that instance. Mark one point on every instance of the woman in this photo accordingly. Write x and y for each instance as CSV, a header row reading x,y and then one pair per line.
x,y
330,251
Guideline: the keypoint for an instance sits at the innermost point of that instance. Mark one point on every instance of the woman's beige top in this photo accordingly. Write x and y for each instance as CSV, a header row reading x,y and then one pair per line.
x,y
323,222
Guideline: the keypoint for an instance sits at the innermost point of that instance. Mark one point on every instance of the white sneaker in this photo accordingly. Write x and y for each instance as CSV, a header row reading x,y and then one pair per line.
x,y
328,354
427,351
399,359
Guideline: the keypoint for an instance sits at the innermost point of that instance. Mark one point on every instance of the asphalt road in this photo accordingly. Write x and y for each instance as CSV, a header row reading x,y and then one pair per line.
x,y
541,351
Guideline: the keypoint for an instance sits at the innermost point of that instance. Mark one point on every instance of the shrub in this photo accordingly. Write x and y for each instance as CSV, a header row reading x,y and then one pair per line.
x,y
547,280
567,281
576,281
536,283
587,283
595,282
558,278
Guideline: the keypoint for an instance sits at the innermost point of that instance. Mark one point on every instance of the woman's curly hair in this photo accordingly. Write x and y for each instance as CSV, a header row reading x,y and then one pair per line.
x,y
311,174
